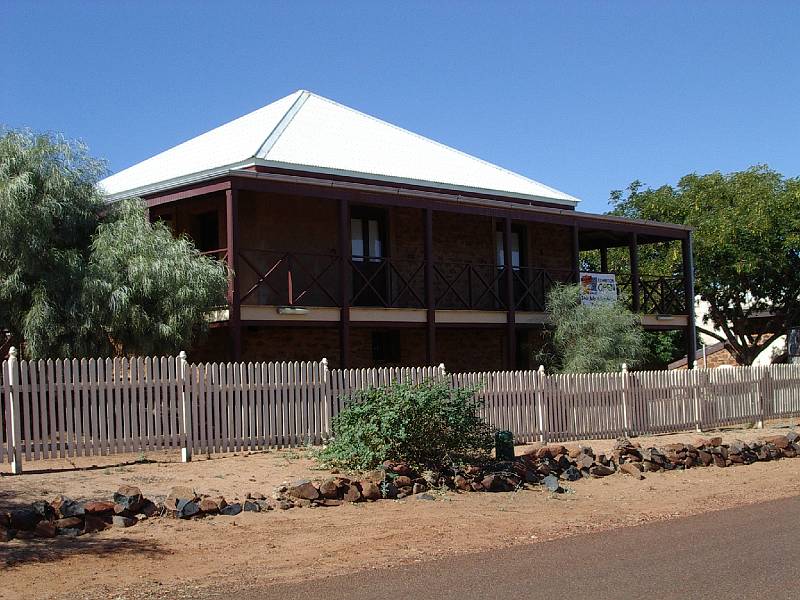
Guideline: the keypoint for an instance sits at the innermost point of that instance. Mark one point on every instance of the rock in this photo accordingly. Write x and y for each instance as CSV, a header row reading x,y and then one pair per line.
x,y
601,471
552,484
351,493
461,482
98,507
231,510
251,506
121,521
148,508
129,497
94,522
570,474
792,436
284,505
329,489
544,453
23,519
419,488
427,497
779,441
585,462
45,529
632,469
187,509
402,481
675,448
715,441
66,507
46,512
328,502
476,486
370,491
212,505
7,534
303,489
179,496
265,505
71,532
556,449
704,457
69,523
720,461
375,476
575,452
789,452
689,462
493,483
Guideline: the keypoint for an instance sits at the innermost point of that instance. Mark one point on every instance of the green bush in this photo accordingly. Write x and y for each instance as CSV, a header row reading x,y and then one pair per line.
x,y
427,425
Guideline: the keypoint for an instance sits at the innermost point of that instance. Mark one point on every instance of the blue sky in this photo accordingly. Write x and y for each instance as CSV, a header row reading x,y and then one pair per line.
x,y
583,96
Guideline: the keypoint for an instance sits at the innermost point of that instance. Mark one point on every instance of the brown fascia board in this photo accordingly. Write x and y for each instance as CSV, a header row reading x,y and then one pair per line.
x,y
380,193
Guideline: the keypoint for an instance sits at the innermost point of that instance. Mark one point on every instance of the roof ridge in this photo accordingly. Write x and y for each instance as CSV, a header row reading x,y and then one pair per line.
x,y
283,123
440,144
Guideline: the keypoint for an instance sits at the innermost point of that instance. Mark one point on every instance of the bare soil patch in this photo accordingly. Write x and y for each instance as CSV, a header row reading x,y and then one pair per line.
x,y
171,558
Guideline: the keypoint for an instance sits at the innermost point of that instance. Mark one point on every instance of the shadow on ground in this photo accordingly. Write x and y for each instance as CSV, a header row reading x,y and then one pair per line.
x,y
20,552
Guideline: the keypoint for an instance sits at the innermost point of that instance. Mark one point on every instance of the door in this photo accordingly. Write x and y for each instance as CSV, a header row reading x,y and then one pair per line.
x,y
368,255
517,262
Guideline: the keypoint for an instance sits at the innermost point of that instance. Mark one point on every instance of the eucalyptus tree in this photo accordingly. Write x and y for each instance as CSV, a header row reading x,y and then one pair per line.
x,y
80,277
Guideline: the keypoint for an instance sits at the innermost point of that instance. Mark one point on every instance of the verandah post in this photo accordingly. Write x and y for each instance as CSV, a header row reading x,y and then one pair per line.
x,y
186,408
14,414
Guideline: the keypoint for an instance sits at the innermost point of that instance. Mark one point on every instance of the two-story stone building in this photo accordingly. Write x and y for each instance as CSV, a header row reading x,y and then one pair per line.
x,y
359,241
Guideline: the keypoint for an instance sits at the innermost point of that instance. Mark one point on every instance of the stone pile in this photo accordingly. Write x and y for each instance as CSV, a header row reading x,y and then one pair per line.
x,y
64,516
541,465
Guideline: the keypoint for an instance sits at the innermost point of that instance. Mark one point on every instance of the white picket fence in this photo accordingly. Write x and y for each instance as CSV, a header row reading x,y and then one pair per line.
x,y
66,408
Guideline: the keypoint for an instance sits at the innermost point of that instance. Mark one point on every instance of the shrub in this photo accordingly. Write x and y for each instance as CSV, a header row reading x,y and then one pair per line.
x,y
427,425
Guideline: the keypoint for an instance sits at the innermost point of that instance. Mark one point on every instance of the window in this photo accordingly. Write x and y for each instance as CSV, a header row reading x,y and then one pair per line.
x,y
205,231
367,232
368,250
516,247
386,346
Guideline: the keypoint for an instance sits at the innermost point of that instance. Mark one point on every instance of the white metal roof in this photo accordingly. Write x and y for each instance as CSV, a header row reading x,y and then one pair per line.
x,y
307,132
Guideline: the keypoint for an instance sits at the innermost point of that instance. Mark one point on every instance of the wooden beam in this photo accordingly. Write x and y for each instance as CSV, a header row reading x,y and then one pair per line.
x,y
604,260
633,251
510,301
344,282
576,254
430,299
688,289
189,192
234,300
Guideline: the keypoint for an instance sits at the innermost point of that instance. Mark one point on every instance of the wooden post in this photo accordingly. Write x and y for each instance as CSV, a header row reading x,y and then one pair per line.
x,y
430,299
326,400
633,251
604,260
576,254
344,283
234,299
688,291
14,411
541,412
626,424
186,408
510,300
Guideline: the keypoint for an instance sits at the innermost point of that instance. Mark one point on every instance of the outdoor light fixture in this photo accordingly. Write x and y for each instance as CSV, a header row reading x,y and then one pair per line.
x,y
292,310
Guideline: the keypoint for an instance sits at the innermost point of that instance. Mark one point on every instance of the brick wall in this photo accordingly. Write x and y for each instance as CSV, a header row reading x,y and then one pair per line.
x,y
475,349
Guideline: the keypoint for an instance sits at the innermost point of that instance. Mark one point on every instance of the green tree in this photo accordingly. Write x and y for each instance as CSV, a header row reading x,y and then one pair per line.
x,y
79,277
146,292
746,249
49,210
591,339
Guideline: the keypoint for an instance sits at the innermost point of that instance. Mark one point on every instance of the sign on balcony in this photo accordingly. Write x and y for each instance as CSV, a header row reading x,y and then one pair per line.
x,y
598,288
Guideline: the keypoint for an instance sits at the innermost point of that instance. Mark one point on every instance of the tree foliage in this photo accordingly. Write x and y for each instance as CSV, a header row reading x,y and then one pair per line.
x,y
746,249
591,339
79,277
146,292
429,425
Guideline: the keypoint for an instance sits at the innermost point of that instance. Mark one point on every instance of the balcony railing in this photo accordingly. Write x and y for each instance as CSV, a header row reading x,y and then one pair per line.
x,y
278,278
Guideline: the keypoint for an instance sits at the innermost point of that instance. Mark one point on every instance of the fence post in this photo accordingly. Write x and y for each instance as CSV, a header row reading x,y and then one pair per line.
x,y
186,408
326,399
442,370
765,397
626,426
14,411
541,377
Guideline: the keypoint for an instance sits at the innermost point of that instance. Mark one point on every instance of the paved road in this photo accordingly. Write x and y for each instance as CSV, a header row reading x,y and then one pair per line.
x,y
749,552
